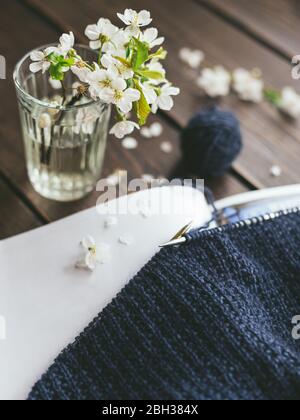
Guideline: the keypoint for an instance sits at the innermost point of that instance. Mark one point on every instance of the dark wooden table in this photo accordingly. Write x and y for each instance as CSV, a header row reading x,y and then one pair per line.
x,y
256,33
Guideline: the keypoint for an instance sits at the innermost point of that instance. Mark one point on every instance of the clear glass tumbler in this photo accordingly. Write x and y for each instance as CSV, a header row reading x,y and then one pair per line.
x,y
65,134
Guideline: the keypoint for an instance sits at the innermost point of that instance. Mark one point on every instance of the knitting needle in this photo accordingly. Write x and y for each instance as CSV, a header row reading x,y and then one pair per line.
x,y
179,238
238,201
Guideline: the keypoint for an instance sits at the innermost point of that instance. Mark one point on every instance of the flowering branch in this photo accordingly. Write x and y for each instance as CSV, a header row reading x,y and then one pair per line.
x,y
128,74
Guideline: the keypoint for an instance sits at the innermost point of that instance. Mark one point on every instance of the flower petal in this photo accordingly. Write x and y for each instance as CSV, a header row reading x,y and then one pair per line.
x,y
144,18
51,50
92,32
126,239
107,95
67,41
95,45
45,66
130,143
157,42
35,67
165,103
123,128
88,242
156,129
37,56
125,105
90,261
132,95
119,84
171,91
150,35
128,17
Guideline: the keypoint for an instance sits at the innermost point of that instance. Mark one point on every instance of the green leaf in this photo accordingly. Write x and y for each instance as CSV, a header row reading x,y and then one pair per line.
x,y
273,96
142,108
140,54
123,61
58,64
56,72
160,54
149,74
67,62
53,58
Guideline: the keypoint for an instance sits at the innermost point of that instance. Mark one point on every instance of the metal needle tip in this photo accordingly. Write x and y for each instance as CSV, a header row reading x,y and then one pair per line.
x,y
179,238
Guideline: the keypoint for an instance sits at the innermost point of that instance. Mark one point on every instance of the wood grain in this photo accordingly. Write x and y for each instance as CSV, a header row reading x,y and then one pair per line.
x,y
147,159
269,137
276,23
15,217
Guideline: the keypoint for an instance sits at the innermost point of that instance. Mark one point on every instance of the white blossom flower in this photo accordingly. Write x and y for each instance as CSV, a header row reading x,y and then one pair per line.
x,y
119,95
164,99
192,58
94,254
150,36
82,73
117,66
215,82
114,80
155,65
66,43
101,34
135,20
290,102
101,79
130,143
40,61
248,87
118,45
85,121
149,93
123,128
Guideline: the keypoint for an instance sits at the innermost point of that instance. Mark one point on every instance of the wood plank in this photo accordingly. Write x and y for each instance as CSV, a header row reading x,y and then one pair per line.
x,y
15,217
276,23
269,138
146,159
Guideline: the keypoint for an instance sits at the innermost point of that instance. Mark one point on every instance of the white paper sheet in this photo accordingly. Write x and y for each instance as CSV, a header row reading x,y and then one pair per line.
x,y
46,302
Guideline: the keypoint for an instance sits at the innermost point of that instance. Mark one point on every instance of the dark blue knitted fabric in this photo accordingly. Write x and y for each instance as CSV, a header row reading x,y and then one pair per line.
x,y
209,320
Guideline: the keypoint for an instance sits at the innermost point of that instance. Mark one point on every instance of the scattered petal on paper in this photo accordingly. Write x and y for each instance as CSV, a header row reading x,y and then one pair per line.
x,y
126,240
110,222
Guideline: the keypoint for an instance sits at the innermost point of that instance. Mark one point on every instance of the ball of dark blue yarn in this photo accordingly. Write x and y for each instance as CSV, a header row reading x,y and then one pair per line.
x,y
211,142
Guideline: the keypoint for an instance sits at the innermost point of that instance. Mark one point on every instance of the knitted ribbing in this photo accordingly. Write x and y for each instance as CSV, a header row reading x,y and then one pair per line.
x,y
209,320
